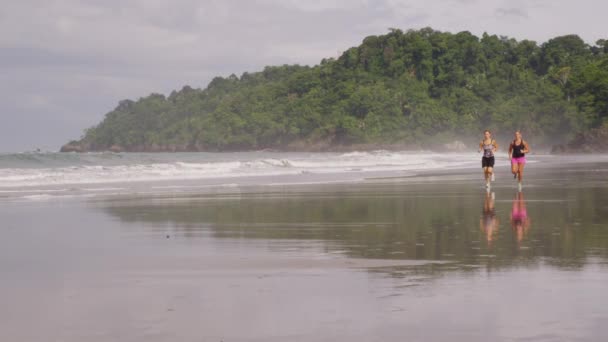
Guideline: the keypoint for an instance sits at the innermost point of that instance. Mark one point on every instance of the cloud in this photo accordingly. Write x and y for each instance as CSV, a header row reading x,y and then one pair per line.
x,y
71,61
319,5
511,12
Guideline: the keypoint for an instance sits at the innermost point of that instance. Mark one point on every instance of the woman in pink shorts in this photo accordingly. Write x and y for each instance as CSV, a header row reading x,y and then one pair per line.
x,y
517,154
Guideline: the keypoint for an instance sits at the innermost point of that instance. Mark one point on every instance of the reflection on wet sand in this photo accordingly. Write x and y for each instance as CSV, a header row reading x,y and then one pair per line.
x,y
489,221
520,222
400,221
392,262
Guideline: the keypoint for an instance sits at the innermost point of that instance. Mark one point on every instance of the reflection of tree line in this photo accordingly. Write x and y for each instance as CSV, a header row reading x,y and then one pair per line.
x,y
388,226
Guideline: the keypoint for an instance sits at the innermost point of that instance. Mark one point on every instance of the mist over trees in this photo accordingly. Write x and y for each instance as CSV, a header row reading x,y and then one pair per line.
x,y
411,88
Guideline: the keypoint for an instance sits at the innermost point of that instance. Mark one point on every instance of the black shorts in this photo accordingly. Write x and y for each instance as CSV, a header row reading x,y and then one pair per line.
x,y
487,161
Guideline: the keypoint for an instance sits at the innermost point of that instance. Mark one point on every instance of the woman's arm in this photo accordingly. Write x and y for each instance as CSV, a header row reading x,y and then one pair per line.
x,y
526,147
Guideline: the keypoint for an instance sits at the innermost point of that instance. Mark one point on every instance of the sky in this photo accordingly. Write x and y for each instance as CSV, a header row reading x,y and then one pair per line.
x,y
64,64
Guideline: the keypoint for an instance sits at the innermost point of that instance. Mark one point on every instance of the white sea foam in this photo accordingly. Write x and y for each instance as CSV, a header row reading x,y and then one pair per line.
x,y
41,197
166,167
103,189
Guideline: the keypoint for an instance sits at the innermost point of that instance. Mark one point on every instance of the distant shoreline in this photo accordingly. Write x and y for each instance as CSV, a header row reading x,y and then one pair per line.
x,y
299,148
455,146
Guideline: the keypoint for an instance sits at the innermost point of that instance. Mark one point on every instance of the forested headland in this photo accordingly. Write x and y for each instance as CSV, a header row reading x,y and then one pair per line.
x,y
419,88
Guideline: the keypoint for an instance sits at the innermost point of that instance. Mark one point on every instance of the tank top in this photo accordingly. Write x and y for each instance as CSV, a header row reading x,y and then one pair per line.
x,y
517,149
487,149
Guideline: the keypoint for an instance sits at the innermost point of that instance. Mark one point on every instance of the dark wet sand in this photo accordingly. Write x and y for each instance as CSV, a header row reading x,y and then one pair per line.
x,y
431,258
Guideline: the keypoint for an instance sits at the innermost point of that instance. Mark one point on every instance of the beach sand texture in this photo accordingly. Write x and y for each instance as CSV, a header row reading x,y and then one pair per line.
x,y
389,257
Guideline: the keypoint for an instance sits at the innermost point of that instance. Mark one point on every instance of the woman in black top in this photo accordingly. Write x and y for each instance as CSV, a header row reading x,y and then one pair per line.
x,y
517,153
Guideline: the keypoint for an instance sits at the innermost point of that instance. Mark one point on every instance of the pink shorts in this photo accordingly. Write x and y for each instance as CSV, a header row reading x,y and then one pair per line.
x,y
520,160
519,215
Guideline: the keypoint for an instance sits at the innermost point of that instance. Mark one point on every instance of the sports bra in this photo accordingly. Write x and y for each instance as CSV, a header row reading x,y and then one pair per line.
x,y
487,149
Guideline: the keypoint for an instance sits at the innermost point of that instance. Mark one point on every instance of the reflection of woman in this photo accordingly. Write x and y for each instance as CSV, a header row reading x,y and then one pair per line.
x,y
489,222
519,217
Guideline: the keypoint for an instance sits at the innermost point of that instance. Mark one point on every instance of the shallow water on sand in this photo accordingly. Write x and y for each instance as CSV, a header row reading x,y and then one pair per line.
x,y
430,258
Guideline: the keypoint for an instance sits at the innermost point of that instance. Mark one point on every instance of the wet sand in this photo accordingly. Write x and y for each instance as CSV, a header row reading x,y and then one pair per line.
x,y
427,258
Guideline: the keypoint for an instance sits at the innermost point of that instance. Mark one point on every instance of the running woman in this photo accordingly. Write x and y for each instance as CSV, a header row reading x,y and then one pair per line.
x,y
517,153
488,146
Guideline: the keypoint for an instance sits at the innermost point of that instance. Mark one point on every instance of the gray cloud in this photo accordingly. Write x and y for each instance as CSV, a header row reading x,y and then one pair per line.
x,y
65,63
514,12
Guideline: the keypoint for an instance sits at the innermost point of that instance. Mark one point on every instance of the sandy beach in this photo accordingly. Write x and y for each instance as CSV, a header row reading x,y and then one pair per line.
x,y
384,256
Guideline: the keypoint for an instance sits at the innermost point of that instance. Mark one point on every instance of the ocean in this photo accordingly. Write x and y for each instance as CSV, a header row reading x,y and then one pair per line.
x,y
53,175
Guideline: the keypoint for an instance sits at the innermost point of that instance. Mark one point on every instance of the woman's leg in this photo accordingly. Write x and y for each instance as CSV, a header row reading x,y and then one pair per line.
x,y
520,171
514,168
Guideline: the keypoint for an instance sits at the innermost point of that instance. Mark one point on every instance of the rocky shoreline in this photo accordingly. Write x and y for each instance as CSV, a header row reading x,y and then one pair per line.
x,y
455,146
592,141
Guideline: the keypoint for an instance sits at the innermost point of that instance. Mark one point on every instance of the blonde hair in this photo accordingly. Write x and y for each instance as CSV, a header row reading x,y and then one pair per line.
x,y
521,135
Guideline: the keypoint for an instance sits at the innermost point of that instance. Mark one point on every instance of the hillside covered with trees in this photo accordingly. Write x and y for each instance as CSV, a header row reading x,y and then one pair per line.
x,y
414,88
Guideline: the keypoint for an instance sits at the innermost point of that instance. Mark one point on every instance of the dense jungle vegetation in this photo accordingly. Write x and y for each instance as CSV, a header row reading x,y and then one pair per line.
x,y
408,88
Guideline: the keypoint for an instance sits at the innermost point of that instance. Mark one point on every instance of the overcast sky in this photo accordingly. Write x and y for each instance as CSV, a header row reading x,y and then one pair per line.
x,y
65,63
